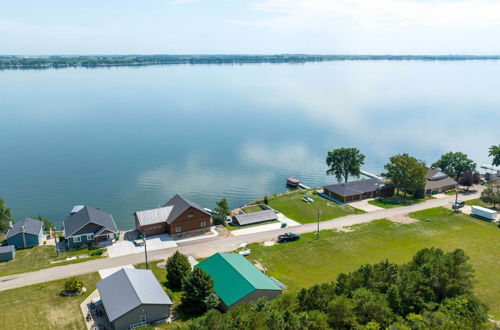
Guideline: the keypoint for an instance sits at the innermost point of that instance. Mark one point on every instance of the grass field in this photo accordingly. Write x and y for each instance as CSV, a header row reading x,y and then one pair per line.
x,y
479,202
251,208
310,261
292,206
41,306
40,257
395,201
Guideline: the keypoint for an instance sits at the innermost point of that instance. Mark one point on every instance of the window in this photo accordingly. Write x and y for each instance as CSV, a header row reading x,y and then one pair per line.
x,y
77,239
90,237
143,318
178,229
203,224
190,215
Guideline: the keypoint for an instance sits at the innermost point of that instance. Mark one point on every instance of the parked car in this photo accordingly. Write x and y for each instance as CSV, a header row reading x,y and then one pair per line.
x,y
245,252
288,237
458,205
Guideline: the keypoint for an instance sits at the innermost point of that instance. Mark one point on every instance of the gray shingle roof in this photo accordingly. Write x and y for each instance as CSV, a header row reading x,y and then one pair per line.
x,y
128,288
7,249
31,226
356,187
437,179
86,215
169,212
255,217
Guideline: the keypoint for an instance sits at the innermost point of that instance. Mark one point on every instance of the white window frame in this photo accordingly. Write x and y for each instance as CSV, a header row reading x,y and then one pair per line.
x,y
143,318
203,224
178,229
77,239
190,215
90,237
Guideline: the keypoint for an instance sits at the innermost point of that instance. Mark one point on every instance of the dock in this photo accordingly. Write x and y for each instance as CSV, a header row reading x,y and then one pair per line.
x,y
490,167
303,186
371,175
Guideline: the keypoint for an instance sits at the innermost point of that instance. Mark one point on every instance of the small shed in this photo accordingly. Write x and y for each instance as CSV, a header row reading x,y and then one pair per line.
x,y
7,253
255,217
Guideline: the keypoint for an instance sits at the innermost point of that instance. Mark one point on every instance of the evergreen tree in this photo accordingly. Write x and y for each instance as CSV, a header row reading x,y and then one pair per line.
x,y
178,267
197,286
220,213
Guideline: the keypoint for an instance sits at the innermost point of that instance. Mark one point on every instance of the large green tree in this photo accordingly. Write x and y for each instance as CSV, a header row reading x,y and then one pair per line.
x,y
197,286
220,213
178,267
344,162
491,195
454,164
5,216
406,173
47,224
495,153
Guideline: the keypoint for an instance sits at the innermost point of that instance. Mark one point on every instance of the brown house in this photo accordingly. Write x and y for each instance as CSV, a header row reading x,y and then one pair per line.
x,y
438,182
357,190
178,216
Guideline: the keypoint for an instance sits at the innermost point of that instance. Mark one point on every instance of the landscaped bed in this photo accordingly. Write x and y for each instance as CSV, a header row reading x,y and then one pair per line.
x,y
293,207
41,306
310,261
28,260
396,201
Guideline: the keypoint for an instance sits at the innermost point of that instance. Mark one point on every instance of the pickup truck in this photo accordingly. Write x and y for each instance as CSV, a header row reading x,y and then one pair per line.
x,y
288,237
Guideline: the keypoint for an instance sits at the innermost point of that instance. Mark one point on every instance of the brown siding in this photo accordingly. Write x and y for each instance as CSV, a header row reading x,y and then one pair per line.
x,y
188,224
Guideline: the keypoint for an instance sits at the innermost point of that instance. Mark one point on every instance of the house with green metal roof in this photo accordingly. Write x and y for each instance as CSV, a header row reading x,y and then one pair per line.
x,y
236,280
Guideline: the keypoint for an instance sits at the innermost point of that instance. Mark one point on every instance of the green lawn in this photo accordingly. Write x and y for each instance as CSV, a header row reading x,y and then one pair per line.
x,y
310,261
251,208
397,201
479,202
41,306
292,206
39,257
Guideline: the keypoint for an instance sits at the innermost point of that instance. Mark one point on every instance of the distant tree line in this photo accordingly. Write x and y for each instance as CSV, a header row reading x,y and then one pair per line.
x,y
92,61
432,291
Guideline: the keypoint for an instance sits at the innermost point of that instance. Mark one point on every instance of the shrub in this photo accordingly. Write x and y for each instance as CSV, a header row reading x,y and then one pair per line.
x,y
73,284
177,267
97,252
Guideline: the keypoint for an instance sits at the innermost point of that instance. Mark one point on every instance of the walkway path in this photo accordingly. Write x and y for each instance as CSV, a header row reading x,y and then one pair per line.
x,y
204,248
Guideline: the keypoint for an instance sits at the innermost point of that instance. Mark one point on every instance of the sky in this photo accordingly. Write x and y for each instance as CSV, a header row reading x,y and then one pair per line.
x,y
34,27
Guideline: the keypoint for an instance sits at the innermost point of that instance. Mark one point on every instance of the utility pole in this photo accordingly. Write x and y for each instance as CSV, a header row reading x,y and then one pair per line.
x,y
145,251
456,200
317,234
55,241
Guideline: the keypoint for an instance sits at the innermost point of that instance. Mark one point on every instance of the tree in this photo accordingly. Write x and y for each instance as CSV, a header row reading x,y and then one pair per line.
x,y
406,173
5,216
73,284
468,179
178,267
47,224
266,200
197,286
211,301
491,195
454,164
220,213
343,162
495,153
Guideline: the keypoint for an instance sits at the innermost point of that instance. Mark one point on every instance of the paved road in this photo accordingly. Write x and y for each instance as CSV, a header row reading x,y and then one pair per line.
x,y
205,248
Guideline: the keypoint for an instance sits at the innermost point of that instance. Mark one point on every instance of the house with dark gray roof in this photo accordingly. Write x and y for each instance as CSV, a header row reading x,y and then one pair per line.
x,y
25,233
438,182
357,190
89,225
7,253
251,218
178,216
133,297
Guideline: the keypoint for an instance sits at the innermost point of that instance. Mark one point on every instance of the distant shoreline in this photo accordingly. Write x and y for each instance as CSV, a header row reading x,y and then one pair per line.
x,y
98,61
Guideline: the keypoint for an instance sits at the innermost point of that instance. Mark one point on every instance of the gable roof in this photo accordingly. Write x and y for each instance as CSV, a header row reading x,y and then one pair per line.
x,y
235,277
181,204
129,288
150,217
437,179
358,187
31,226
255,217
87,215
7,249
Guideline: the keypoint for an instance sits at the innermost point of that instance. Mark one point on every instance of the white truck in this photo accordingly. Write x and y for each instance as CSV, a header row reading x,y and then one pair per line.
x,y
482,212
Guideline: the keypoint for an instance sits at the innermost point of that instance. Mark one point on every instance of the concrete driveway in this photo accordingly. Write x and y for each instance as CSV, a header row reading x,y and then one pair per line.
x,y
365,206
126,247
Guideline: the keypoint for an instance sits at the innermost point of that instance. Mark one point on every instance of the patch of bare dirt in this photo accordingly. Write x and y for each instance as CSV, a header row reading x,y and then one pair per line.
x,y
403,219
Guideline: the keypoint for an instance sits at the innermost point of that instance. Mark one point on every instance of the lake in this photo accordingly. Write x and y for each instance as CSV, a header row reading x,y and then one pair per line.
x,y
129,138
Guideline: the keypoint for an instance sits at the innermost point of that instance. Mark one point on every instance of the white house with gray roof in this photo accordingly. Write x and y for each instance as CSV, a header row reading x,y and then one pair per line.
x,y
89,225
133,297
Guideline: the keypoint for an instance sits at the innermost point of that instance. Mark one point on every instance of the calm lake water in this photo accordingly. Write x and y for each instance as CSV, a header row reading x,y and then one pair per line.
x,y
126,139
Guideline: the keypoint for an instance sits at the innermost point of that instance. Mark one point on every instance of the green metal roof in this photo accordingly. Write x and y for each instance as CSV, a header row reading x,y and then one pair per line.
x,y
235,277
